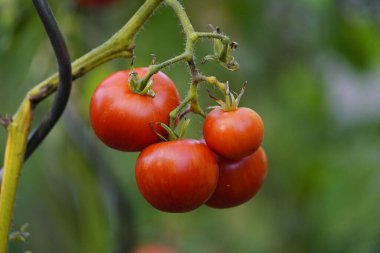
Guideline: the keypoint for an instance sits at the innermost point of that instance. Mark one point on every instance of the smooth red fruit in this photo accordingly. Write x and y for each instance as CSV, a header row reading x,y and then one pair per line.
x,y
233,134
239,180
176,176
154,248
95,3
122,118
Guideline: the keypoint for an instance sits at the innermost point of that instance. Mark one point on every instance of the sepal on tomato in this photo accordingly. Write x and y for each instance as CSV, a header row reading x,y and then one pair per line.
x,y
134,83
230,103
172,135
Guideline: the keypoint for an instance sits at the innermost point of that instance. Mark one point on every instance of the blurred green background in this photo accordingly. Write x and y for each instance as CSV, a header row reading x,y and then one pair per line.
x,y
313,72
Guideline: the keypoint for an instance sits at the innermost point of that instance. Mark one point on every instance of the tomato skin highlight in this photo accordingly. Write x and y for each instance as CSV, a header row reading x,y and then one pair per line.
x,y
176,176
239,180
121,118
233,134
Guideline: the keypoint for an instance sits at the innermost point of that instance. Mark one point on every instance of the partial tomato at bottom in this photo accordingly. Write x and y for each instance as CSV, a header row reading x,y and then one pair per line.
x,y
176,176
95,3
239,180
154,248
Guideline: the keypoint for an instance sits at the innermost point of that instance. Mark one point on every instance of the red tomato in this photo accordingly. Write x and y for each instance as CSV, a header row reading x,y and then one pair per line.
x,y
95,3
121,118
176,176
233,134
239,180
154,248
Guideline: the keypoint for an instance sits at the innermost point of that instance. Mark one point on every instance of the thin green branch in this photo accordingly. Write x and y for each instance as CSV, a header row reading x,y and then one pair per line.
x,y
153,69
188,55
212,35
182,16
174,114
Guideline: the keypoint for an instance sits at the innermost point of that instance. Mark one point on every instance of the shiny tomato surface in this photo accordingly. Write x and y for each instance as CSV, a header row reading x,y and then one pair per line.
x,y
233,134
239,180
176,176
122,118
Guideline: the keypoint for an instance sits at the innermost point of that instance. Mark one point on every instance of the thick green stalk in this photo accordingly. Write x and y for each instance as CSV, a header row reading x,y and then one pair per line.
x,y
14,157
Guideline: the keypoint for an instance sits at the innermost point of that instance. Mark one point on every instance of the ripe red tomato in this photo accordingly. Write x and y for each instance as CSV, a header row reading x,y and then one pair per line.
x,y
95,3
121,118
154,248
233,134
239,180
176,176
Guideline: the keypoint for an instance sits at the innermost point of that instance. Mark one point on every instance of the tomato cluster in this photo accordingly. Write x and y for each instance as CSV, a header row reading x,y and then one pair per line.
x,y
224,169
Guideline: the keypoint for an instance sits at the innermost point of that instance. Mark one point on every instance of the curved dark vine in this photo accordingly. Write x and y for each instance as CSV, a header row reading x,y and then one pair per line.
x,y
65,78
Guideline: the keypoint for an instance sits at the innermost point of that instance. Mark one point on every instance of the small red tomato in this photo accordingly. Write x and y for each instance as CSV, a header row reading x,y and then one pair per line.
x,y
95,3
122,118
176,176
239,180
233,134
154,248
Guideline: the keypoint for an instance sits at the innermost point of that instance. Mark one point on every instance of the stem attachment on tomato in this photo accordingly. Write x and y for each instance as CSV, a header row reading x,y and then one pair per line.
x,y
171,134
231,103
134,83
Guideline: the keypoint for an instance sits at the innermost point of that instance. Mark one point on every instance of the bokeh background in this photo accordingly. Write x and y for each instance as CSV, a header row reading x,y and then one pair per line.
x,y
313,72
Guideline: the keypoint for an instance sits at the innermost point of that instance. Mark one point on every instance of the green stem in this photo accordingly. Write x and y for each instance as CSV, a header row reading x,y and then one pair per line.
x,y
153,69
14,157
174,114
182,16
214,81
212,36
188,55
119,45
191,37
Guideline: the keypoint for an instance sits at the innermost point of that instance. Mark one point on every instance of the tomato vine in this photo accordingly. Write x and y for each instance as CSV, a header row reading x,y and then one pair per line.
x,y
121,44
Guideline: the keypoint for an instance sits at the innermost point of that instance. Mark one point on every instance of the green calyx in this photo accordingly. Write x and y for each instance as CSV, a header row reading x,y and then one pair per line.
x,y
137,86
172,135
231,103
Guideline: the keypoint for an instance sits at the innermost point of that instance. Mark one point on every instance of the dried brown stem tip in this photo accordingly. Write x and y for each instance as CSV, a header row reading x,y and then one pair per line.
x,y
5,120
233,45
